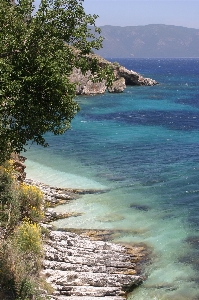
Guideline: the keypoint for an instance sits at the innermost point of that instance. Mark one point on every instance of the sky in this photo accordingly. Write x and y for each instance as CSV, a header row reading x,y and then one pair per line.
x,y
143,12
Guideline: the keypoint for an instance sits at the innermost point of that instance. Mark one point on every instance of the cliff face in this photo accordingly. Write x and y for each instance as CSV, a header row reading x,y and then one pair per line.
x,y
123,77
84,84
133,78
19,166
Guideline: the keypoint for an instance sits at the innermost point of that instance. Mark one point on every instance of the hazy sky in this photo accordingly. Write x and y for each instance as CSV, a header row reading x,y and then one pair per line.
x,y
144,12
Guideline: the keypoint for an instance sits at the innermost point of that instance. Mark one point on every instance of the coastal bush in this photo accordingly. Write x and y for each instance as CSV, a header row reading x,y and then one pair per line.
x,y
9,204
18,200
21,208
31,202
20,262
116,64
28,239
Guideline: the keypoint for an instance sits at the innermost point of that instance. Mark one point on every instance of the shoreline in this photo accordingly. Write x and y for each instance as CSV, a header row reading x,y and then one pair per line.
x,y
85,263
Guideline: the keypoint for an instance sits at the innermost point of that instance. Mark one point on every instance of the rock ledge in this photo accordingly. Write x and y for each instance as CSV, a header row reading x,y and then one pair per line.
x,y
123,77
77,267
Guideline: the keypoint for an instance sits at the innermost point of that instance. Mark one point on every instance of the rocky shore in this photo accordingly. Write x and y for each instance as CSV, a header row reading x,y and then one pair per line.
x,y
79,266
123,77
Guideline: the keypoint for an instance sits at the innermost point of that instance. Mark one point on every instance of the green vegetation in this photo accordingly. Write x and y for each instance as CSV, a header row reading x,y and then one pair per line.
x,y
20,262
37,54
21,250
18,201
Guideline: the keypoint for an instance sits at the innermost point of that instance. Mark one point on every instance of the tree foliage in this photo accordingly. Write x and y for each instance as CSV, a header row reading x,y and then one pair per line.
x,y
38,51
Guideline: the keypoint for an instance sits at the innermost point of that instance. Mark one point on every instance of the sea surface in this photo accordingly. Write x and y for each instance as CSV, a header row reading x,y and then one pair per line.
x,y
141,148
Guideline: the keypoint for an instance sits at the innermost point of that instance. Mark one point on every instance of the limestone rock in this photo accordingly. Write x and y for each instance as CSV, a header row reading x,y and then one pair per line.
x,y
84,84
19,166
118,86
133,78
77,267
123,77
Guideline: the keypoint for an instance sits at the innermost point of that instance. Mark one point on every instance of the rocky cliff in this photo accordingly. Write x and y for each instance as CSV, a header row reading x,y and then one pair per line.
x,y
123,77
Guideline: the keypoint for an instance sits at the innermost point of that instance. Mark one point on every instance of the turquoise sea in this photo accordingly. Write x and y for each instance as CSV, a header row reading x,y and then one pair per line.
x,y
141,147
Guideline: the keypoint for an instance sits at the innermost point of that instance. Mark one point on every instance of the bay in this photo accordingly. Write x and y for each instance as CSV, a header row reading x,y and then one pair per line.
x,y
141,148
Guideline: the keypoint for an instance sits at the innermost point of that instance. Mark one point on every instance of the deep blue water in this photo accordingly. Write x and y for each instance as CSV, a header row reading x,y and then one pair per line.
x,y
143,145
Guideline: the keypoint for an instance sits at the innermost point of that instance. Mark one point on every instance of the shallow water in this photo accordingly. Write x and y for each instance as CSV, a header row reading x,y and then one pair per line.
x,y
142,148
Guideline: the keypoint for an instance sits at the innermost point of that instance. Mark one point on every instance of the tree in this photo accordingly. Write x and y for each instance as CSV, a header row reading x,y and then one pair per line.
x,y
38,51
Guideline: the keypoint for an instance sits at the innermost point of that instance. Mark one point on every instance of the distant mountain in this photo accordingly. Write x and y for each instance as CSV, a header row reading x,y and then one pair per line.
x,y
150,41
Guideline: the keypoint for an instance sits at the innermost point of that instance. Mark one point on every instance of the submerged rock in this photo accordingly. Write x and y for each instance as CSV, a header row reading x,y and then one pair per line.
x,y
110,218
140,207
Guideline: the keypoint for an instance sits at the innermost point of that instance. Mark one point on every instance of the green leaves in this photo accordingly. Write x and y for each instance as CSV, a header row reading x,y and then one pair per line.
x,y
37,54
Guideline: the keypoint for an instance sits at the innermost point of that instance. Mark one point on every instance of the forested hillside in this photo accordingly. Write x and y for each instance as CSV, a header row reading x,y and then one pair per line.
x,y
151,41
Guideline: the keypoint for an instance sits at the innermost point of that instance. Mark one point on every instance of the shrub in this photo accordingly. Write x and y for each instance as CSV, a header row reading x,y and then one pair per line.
x,y
28,238
21,207
9,204
18,200
116,64
31,202
20,262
